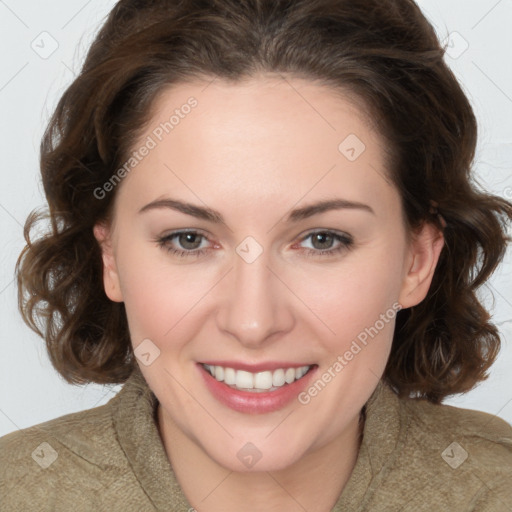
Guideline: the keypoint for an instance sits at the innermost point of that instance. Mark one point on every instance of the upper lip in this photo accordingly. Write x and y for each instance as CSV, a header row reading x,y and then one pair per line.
x,y
255,368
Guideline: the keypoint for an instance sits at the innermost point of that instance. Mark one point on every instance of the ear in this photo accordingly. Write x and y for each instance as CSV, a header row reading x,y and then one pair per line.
x,y
111,281
423,254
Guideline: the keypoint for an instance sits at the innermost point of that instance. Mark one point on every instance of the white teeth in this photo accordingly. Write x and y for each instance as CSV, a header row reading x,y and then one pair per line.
x,y
219,373
289,375
243,379
257,382
278,379
229,376
263,380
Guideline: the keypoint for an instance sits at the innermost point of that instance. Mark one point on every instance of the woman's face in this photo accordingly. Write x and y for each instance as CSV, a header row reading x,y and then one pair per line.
x,y
270,282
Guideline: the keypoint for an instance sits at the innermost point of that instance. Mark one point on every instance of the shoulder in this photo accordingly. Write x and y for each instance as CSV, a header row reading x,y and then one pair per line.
x,y
487,436
465,454
78,434
74,456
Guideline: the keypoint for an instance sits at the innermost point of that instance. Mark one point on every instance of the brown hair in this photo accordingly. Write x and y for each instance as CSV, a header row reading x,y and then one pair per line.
x,y
383,52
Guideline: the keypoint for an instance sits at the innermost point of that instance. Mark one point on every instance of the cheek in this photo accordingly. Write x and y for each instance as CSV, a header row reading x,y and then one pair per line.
x,y
159,297
350,299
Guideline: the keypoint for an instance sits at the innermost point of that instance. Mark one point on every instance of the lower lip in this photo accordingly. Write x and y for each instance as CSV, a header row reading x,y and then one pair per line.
x,y
251,402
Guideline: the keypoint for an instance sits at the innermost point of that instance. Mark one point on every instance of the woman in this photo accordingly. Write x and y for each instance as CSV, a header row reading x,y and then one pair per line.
x,y
263,223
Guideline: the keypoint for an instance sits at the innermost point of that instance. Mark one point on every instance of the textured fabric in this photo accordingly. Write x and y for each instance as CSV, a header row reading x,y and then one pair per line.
x,y
111,458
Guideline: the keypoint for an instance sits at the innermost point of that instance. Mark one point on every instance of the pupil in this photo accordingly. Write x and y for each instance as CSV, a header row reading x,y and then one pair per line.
x,y
323,237
188,238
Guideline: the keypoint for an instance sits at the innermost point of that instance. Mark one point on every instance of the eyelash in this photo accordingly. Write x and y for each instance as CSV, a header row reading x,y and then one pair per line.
x,y
346,243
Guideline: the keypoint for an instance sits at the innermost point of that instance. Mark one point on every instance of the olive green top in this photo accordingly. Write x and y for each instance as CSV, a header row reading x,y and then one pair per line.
x,y
415,456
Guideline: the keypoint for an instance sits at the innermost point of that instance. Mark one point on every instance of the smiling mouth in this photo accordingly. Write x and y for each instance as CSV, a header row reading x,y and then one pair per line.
x,y
258,382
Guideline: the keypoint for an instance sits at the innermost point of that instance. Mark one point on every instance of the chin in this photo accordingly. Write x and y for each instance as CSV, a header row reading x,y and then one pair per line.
x,y
250,459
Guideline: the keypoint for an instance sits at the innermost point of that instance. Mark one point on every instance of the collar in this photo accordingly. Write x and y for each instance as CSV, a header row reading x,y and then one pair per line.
x,y
383,437
134,417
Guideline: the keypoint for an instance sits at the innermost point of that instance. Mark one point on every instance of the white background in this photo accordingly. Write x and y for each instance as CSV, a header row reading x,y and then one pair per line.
x,y
30,390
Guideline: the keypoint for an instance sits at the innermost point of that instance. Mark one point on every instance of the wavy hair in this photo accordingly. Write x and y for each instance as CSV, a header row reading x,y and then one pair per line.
x,y
383,52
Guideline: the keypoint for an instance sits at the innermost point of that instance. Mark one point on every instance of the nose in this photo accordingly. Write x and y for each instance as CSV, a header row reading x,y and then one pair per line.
x,y
256,307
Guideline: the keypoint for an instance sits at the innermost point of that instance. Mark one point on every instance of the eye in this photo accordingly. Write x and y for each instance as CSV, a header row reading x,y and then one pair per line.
x,y
190,241
324,243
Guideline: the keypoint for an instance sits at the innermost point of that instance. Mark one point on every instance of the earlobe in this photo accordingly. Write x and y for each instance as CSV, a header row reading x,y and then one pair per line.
x,y
424,251
111,281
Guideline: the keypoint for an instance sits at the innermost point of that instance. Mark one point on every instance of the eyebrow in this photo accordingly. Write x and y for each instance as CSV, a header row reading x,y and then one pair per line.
x,y
294,216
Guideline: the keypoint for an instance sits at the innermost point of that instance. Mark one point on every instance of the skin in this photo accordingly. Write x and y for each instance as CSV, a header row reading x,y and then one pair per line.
x,y
254,151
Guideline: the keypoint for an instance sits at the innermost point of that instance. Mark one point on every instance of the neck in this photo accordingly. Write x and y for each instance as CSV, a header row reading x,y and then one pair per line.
x,y
314,482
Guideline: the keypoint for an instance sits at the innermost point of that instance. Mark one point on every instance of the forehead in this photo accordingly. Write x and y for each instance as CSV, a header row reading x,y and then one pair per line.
x,y
263,137
260,110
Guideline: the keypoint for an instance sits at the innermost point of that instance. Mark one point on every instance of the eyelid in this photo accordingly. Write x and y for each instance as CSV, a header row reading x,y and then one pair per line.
x,y
332,232
314,231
